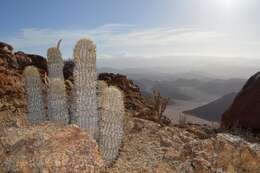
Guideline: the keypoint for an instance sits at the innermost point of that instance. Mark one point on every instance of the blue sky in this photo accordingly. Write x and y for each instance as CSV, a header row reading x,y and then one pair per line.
x,y
136,28
60,14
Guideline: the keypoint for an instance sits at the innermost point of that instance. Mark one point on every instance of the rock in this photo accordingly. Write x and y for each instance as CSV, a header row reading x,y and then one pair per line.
x,y
24,60
202,134
172,154
138,126
165,142
6,56
6,47
10,119
48,148
230,153
245,110
165,120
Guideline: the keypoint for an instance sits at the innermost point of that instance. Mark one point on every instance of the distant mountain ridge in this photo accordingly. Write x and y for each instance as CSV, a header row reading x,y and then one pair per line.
x,y
213,110
191,89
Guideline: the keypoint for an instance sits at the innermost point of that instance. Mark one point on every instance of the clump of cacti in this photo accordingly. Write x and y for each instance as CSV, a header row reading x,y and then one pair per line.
x,y
99,112
57,101
84,110
111,123
35,104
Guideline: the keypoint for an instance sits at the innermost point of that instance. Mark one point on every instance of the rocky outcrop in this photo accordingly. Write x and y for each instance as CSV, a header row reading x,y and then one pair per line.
x,y
193,149
6,54
12,94
24,60
245,110
48,148
6,47
135,103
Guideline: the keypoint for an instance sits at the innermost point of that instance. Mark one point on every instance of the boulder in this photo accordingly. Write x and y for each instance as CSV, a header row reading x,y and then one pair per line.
x,y
48,148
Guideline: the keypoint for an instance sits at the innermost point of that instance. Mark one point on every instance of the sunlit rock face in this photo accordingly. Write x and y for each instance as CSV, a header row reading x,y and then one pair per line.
x,y
12,93
245,110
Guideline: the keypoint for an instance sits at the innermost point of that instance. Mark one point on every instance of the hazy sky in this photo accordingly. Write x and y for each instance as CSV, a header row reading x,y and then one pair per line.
x,y
137,28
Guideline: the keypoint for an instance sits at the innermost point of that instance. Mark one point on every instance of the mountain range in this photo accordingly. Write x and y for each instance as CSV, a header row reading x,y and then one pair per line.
x,y
213,110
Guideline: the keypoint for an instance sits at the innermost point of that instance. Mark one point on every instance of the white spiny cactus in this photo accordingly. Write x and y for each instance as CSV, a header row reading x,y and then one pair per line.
x,y
55,63
35,103
84,90
111,123
57,101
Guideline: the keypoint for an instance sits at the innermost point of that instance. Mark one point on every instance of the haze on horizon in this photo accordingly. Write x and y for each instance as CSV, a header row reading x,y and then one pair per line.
x,y
215,36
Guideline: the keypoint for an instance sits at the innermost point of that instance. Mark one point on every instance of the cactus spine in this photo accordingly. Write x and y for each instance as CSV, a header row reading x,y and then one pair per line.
x,y
111,123
57,101
84,91
35,104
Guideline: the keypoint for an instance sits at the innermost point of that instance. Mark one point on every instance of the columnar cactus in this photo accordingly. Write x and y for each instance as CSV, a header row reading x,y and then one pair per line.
x,y
101,86
55,63
57,101
35,103
111,123
84,91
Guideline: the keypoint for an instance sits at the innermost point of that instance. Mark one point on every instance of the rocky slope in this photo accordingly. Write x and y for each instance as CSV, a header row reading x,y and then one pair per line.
x,y
147,146
192,149
245,110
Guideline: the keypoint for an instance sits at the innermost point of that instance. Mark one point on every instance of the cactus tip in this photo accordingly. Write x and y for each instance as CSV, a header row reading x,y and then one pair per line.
x,y
86,42
58,44
115,91
54,54
102,85
31,70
